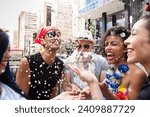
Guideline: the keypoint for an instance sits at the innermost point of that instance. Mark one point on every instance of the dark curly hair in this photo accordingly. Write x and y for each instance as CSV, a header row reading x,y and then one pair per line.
x,y
121,31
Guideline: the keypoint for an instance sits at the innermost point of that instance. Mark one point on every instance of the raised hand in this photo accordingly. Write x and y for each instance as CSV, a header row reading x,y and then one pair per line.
x,y
85,75
90,78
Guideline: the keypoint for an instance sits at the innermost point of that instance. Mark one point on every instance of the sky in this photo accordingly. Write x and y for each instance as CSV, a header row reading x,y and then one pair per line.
x,y
10,10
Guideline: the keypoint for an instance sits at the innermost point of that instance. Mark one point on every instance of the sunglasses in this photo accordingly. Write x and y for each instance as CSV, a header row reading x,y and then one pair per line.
x,y
52,34
83,46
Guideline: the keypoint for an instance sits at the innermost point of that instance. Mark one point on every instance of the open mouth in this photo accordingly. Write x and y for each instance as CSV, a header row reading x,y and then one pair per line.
x,y
110,56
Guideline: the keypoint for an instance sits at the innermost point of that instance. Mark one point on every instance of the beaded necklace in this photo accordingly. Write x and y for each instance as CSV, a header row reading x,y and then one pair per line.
x,y
113,78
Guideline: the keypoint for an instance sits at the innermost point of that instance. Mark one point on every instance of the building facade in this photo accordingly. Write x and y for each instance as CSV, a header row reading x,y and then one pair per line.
x,y
58,13
27,27
99,15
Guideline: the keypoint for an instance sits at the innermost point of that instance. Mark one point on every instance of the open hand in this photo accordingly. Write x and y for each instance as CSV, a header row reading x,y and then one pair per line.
x,y
85,75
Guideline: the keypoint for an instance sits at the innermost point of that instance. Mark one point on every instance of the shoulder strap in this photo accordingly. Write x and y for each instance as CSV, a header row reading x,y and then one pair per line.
x,y
142,68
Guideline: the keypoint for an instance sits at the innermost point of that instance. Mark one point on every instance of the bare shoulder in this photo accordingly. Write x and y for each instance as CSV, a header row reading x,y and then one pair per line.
x,y
23,75
24,61
23,68
136,70
136,73
136,77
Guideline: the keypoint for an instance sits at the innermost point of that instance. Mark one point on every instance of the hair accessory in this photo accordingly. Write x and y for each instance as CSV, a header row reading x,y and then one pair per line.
x,y
123,34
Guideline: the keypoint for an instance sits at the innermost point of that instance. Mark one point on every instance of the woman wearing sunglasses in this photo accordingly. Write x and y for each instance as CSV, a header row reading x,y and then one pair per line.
x,y
39,74
83,55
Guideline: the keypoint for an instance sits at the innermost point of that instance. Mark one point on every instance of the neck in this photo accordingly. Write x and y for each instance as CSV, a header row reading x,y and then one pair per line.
x,y
117,64
49,56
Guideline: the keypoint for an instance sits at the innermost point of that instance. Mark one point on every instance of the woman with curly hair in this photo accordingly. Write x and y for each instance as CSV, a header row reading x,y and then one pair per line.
x,y
123,80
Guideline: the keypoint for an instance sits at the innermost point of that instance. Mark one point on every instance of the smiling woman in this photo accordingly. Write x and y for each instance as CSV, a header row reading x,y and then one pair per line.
x,y
9,90
138,46
119,83
120,75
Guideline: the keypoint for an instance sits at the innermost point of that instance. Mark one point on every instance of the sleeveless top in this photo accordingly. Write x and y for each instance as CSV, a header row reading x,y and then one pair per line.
x,y
142,68
43,76
145,90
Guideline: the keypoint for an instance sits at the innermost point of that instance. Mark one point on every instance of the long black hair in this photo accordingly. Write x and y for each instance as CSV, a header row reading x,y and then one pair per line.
x,y
6,77
4,42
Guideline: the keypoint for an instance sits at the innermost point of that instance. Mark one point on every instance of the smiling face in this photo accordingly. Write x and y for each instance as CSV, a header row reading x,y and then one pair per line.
x,y
52,40
138,44
5,58
114,49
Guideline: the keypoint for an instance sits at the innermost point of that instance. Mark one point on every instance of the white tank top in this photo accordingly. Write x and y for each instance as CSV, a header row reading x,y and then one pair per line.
x,y
142,68
8,94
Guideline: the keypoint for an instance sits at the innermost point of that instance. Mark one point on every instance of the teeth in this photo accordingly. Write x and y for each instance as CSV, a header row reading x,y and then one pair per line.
x,y
129,50
110,53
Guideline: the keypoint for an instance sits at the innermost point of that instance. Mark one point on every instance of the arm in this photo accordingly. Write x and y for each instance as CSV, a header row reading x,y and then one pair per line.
x,y
23,75
107,93
55,91
92,81
66,84
96,93
132,82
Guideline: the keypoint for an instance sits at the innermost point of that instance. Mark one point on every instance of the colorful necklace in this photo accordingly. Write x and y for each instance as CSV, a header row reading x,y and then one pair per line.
x,y
113,78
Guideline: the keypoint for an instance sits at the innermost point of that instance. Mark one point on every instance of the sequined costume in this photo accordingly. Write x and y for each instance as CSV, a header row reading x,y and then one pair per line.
x,y
43,76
